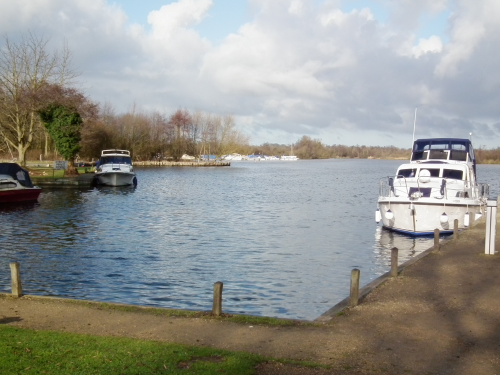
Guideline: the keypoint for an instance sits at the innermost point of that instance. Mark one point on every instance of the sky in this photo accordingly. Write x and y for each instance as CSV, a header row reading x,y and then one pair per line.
x,y
350,72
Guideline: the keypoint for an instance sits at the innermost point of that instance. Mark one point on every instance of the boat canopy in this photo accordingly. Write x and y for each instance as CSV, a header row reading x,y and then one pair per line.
x,y
17,173
443,149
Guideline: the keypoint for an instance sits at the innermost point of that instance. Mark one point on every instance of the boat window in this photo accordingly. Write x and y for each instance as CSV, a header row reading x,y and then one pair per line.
x,y
410,172
458,146
453,174
458,155
419,155
7,185
439,146
438,154
115,160
421,146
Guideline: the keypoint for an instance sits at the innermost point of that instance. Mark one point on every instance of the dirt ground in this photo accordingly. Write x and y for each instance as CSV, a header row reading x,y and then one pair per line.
x,y
440,316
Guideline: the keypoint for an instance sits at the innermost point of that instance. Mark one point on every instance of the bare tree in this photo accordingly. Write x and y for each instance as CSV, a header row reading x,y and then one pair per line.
x,y
26,67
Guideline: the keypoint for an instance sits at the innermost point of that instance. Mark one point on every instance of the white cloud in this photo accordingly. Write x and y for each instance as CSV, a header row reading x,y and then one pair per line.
x,y
178,16
292,69
431,45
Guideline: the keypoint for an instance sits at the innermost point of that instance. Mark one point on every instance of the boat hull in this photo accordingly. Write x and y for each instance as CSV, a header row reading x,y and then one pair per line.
x,y
116,178
422,218
20,195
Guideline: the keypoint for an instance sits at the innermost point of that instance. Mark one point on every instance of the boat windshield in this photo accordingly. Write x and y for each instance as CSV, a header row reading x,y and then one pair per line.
x,y
115,159
453,174
441,149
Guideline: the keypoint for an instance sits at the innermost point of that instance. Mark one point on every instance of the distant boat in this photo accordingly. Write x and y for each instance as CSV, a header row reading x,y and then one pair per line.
x,y
16,185
234,156
114,168
290,157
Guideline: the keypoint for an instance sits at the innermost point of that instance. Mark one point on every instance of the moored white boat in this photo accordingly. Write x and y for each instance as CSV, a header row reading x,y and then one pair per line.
x,y
289,157
437,186
16,185
115,169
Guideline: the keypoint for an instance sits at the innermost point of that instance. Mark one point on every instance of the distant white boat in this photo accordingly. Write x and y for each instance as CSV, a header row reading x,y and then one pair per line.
x,y
115,169
290,157
233,156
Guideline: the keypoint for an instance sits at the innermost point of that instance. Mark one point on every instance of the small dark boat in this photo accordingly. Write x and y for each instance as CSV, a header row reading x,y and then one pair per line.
x,y
16,185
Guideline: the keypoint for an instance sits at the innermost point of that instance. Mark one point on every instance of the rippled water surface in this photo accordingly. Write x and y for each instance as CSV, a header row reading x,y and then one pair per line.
x,y
283,237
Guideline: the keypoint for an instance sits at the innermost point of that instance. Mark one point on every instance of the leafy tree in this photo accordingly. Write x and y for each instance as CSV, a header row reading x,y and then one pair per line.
x,y
64,126
26,67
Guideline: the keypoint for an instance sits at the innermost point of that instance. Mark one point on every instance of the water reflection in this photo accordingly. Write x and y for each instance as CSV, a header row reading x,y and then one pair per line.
x,y
408,247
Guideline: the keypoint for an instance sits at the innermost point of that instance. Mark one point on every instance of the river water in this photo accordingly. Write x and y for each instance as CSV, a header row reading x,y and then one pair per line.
x,y
283,237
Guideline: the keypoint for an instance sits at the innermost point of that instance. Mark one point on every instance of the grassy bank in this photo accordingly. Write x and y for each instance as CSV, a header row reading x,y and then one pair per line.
x,y
39,352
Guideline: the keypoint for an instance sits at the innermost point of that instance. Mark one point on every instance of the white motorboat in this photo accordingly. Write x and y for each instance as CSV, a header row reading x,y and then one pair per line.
x,y
114,168
233,157
437,186
290,157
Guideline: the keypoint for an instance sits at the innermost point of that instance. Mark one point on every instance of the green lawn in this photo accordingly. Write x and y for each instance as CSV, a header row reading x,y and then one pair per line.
x,y
43,352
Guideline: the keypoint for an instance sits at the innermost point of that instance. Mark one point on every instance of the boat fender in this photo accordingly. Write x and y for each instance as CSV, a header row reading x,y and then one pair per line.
x,y
466,219
389,215
444,218
378,216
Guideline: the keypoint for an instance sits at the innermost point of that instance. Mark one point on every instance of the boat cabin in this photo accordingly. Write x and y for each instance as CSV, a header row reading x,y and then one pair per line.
x,y
115,157
443,150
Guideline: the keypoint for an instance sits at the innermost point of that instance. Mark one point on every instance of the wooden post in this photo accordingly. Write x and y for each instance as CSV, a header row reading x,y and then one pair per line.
x,y
217,304
455,229
436,239
15,272
354,297
394,262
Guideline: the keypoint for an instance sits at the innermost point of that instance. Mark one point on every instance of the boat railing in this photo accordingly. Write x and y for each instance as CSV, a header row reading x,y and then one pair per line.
x,y
437,187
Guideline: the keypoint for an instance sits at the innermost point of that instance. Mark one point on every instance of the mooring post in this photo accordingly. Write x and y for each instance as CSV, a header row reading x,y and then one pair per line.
x,y
394,262
354,297
491,221
217,304
436,239
455,229
15,273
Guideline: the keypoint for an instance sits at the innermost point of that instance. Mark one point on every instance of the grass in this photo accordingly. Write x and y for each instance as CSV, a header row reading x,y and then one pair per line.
x,y
42,172
44,352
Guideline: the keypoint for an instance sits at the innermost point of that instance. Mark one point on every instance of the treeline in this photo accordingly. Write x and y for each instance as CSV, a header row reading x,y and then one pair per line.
x,y
484,156
155,136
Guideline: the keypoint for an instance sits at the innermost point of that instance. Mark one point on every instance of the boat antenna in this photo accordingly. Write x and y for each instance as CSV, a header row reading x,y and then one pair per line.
x,y
470,136
414,125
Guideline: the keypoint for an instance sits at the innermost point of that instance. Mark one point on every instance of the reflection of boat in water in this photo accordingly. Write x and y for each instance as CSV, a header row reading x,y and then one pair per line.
x,y
436,187
115,169
16,185
408,246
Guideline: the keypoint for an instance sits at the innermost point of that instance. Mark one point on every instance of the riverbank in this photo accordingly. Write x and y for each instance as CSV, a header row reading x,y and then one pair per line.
x,y
440,316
